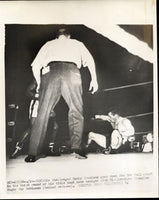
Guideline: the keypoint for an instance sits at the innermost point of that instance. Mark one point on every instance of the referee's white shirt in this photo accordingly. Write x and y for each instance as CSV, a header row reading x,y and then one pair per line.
x,y
63,49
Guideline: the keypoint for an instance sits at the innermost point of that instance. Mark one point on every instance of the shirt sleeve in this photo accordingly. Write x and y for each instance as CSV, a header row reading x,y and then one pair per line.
x,y
39,60
86,58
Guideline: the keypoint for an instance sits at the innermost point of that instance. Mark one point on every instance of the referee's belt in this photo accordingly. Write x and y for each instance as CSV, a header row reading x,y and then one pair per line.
x,y
47,69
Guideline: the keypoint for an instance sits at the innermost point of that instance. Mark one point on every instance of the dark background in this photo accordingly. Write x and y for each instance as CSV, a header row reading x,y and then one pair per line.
x,y
115,67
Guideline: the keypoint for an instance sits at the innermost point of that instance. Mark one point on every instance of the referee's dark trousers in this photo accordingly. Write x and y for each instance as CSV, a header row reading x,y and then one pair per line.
x,y
63,79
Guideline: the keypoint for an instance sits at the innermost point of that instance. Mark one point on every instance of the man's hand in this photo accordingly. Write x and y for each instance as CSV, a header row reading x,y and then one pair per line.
x,y
93,86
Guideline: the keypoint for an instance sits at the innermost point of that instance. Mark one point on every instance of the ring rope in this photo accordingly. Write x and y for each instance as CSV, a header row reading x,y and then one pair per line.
x,y
126,86
139,115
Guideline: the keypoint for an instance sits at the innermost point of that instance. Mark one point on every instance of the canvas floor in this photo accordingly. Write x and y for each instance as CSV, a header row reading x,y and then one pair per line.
x,y
97,175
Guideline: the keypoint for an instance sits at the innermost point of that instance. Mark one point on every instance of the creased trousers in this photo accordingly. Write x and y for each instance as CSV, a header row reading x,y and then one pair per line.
x,y
63,79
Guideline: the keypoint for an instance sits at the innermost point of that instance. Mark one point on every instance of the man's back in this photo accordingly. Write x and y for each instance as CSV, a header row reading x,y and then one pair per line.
x,y
125,127
63,49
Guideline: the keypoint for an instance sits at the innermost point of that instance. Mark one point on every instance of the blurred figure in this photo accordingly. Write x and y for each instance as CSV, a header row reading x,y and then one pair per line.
x,y
147,145
121,137
52,148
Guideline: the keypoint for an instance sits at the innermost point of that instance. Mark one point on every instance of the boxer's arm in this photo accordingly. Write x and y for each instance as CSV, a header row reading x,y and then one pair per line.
x,y
103,117
38,63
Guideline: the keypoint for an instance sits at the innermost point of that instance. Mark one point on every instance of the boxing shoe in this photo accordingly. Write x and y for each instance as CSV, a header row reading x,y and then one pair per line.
x,y
53,150
30,158
107,150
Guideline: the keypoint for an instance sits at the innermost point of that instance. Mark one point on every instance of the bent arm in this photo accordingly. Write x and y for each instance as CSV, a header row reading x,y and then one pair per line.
x,y
38,63
103,117
88,61
36,73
